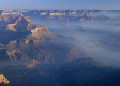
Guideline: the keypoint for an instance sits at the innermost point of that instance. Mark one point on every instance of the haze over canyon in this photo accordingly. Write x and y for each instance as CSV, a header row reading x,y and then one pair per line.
x,y
59,47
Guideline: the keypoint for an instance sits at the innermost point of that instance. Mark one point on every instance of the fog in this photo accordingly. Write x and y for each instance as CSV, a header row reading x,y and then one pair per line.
x,y
99,39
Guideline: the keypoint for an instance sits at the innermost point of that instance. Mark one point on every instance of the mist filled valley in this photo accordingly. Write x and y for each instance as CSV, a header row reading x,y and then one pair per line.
x,y
59,48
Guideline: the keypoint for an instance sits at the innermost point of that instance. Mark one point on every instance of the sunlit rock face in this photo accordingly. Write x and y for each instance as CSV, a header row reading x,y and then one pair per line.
x,y
41,32
33,46
4,81
16,23
21,23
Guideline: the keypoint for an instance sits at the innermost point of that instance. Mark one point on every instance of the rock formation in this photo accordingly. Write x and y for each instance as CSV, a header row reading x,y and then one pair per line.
x,y
39,45
4,81
41,33
21,23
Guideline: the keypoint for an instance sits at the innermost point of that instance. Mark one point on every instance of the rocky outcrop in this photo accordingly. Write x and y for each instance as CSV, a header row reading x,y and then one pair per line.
x,y
29,49
4,81
21,23
37,38
16,23
41,33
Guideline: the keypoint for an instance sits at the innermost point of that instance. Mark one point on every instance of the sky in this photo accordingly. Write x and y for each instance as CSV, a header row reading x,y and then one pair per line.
x,y
59,4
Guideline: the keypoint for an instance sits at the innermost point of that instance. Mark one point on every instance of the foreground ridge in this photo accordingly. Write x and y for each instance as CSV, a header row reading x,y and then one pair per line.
x,y
3,80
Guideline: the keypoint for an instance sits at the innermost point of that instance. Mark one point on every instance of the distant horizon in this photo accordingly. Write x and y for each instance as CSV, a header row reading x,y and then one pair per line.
x,y
59,4
64,9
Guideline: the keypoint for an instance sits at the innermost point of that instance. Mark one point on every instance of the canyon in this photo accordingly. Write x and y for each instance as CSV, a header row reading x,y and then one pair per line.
x,y
39,45
59,48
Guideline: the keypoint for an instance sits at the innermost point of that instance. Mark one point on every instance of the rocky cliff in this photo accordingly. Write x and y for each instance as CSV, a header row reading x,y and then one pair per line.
x,y
16,23
4,81
41,33
21,23
39,46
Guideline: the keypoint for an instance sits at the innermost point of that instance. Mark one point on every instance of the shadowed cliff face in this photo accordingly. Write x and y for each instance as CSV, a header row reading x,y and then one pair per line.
x,y
44,49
